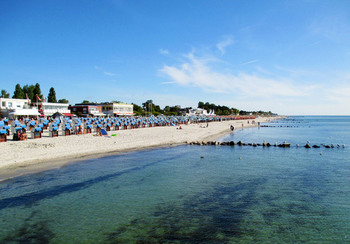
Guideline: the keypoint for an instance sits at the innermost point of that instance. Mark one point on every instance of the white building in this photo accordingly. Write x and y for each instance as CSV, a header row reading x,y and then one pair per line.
x,y
13,107
48,109
120,109
201,111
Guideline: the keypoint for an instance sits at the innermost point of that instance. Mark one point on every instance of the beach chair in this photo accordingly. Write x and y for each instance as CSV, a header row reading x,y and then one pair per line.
x,y
36,132
19,134
3,135
4,126
6,121
78,129
31,124
88,128
67,129
53,129
98,128
117,126
125,126
19,131
108,127
45,123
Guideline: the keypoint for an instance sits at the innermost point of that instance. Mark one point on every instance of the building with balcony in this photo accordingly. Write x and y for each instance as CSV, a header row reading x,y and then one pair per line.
x,y
48,109
118,109
13,107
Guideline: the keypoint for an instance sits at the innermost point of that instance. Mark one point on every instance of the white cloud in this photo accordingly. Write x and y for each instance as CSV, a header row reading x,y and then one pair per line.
x,y
250,62
108,73
223,44
199,72
103,71
164,51
285,90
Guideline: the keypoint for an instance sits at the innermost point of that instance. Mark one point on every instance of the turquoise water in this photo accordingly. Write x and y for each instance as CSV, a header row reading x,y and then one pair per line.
x,y
194,194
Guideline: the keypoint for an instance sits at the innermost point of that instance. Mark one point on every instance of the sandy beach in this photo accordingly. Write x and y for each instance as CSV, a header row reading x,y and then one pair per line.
x,y
34,155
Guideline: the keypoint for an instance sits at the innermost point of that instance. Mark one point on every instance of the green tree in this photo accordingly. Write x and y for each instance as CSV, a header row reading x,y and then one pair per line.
x,y
235,111
86,102
63,100
19,92
4,94
148,106
200,104
51,98
37,92
29,90
138,110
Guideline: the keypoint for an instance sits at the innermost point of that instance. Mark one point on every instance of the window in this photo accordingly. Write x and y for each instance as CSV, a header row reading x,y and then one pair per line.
x,y
9,104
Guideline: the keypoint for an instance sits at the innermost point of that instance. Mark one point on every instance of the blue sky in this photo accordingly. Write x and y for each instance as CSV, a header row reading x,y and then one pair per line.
x,y
289,57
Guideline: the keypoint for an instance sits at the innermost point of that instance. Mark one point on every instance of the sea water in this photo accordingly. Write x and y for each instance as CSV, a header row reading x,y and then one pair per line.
x,y
194,194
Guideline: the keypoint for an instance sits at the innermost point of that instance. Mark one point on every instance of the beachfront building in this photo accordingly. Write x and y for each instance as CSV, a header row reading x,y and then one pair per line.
x,y
201,112
48,109
118,109
12,107
86,110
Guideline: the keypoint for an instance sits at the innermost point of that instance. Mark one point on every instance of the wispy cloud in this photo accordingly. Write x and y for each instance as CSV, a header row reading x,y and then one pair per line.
x,y
332,27
225,43
250,62
164,51
103,71
200,73
108,73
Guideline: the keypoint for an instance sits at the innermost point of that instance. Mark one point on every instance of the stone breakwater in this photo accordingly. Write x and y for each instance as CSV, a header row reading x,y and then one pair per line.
x,y
264,144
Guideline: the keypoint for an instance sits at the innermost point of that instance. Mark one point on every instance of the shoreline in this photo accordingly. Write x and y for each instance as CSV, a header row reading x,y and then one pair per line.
x,y
37,155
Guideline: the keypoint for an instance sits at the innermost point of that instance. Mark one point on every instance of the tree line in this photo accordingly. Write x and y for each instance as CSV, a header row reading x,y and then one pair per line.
x,y
33,93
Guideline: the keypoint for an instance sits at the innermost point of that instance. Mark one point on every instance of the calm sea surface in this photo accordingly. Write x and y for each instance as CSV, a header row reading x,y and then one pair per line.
x,y
194,194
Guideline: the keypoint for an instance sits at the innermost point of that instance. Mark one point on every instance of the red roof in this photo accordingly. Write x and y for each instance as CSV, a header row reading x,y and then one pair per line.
x,y
68,114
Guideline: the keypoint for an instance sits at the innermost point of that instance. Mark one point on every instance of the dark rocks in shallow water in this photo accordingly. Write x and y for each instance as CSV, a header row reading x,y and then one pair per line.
x,y
264,144
284,145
